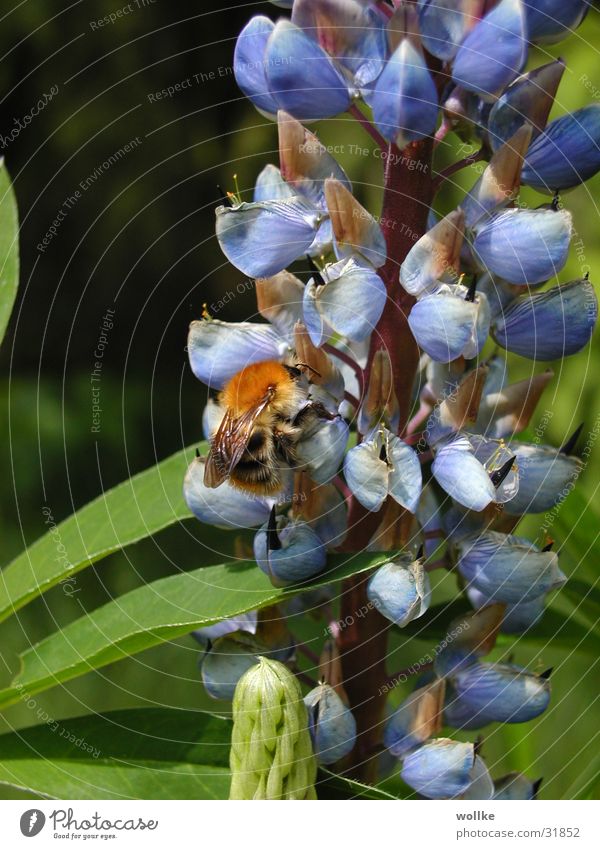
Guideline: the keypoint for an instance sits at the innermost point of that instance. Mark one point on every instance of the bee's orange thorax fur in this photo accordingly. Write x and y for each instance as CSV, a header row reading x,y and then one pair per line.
x,y
248,387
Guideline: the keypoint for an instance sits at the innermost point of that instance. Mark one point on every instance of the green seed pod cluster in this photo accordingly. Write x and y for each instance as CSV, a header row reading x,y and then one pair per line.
x,y
271,751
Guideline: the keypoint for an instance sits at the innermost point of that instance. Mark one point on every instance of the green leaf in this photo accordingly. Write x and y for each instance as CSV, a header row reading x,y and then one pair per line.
x,y
332,786
9,248
147,753
133,510
584,598
163,610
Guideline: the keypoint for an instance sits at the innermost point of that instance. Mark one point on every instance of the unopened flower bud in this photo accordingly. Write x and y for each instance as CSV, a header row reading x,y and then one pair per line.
x,y
381,404
354,229
417,719
332,725
288,551
271,753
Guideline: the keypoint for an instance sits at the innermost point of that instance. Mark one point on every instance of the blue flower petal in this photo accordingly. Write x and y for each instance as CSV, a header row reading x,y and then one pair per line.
x,y
367,475
494,51
225,663
507,569
243,622
545,474
270,185
350,303
400,590
461,475
219,349
524,245
301,554
405,476
249,64
405,102
225,506
444,324
261,239
567,153
549,21
495,692
302,76
322,449
549,325
331,724
443,25
434,258
352,32
515,786
441,769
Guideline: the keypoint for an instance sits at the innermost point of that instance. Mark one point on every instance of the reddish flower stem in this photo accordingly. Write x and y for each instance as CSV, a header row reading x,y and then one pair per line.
x,y
363,644
368,126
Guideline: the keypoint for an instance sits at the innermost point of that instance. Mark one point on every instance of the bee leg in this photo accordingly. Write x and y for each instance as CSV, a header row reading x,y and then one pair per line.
x,y
311,413
284,446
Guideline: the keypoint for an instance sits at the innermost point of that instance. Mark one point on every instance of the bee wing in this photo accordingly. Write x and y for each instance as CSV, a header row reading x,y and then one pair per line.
x,y
229,443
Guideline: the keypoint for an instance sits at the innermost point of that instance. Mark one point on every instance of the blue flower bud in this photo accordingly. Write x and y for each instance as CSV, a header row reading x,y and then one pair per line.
x,y
524,245
355,231
400,590
506,568
515,786
496,692
494,51
219,349
289,551
549,325
249,64
442,769
443,25
546,475
263,238
528,100
351,31
226,661
224,507
322,448
567,153
448,325
383,465
349,303
416,720
302,77
331,724
549,21
404,101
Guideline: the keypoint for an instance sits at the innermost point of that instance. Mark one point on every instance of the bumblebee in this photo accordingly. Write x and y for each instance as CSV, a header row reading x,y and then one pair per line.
x,y
265,412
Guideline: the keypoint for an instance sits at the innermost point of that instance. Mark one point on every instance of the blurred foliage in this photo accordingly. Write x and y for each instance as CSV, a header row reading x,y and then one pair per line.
x,y
140,240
